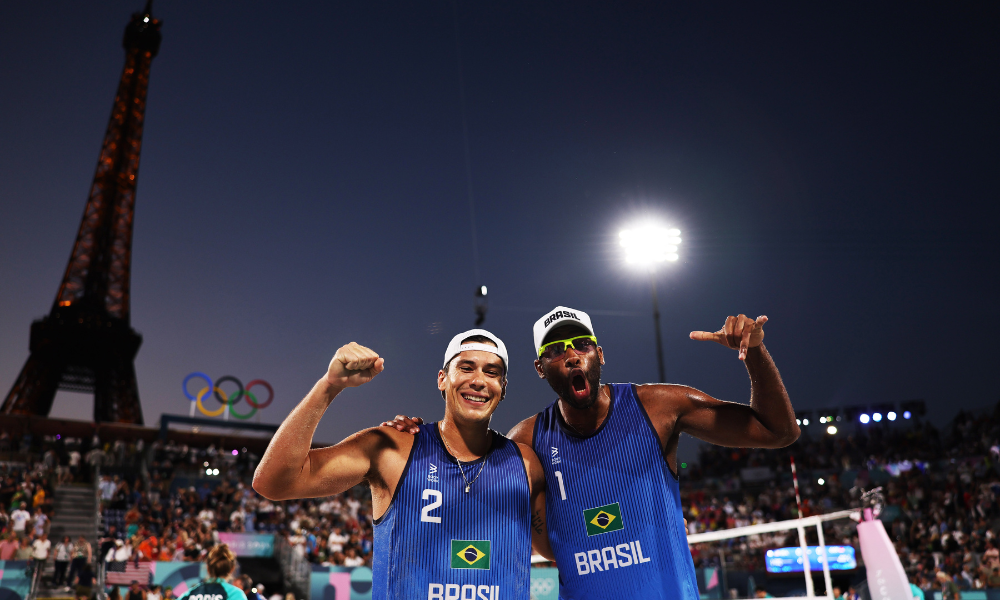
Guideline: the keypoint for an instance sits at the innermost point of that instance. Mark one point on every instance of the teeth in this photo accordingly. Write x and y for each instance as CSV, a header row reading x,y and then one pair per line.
x,y
476,399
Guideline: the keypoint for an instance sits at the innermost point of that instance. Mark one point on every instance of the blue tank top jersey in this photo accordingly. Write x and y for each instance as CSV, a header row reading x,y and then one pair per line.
x,y
438,542
613,507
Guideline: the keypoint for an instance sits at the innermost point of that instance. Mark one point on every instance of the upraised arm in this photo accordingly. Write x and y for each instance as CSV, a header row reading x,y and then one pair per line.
x,y
291,469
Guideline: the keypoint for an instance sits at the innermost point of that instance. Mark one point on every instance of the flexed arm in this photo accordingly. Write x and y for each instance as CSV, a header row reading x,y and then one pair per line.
x,y
769,421
290,468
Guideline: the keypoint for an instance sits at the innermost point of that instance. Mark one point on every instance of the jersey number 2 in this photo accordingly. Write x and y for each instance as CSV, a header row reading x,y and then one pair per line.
x,y
425,512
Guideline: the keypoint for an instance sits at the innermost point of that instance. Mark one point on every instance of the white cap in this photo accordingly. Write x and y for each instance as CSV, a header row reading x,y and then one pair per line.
x,y
557,316
455,346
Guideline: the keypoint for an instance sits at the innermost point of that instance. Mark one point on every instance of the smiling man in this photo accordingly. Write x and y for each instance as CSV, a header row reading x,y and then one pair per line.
x,y
609,452
452,503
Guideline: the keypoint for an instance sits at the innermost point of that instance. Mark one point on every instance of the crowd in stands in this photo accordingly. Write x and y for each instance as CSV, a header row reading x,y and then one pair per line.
x,y
170,502
168,519
941,495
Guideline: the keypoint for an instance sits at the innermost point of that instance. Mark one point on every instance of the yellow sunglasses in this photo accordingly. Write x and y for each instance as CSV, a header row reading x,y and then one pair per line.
x,y
580,343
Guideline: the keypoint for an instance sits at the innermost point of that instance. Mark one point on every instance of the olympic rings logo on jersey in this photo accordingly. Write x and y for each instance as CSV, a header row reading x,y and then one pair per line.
x,y
227,400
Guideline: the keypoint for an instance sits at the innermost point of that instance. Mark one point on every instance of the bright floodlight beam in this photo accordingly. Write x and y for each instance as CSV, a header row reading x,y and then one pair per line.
x,y
647,246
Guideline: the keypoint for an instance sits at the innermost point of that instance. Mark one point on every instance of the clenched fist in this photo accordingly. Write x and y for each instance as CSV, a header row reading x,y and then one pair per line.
x,y
354,365
739,333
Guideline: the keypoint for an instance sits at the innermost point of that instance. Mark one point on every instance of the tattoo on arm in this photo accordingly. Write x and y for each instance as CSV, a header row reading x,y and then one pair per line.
x,y
537,522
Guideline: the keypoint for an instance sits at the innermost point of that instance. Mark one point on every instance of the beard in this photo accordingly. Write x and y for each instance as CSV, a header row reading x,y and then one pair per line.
x,y
564,388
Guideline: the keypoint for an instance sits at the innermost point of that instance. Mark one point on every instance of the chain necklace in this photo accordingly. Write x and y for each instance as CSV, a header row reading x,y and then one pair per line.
x,y
468,483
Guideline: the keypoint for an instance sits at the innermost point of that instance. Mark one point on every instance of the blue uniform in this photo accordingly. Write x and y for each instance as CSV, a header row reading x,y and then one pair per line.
x,y
438,542
613,507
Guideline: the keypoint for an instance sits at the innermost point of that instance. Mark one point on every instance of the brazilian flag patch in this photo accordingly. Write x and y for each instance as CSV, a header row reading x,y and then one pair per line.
x,y
470,554
603,519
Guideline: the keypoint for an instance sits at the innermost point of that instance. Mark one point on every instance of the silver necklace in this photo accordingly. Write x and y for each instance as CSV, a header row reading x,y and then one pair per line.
x,y
468,483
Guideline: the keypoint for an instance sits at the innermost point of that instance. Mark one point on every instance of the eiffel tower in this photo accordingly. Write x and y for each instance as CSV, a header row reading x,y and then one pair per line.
x,y
86,343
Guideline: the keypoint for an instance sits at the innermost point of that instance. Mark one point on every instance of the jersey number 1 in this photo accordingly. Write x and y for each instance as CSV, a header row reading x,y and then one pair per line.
x,y
425,512
562,490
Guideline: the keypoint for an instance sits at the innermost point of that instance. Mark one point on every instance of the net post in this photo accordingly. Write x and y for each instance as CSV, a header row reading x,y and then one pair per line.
x,y
810,591
825,561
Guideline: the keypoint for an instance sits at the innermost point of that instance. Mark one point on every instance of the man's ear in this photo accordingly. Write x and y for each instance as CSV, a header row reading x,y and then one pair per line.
x,y
538,368
600,354
441,377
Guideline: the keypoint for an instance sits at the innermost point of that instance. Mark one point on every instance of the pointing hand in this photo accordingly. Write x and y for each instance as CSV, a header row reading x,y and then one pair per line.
x,y
354,365
739,333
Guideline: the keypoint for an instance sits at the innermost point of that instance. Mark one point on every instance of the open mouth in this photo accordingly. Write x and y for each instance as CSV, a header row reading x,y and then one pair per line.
x,y
579,383
476,399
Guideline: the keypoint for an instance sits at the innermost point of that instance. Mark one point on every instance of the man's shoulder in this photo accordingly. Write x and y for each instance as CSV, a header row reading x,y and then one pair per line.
x,y
524,432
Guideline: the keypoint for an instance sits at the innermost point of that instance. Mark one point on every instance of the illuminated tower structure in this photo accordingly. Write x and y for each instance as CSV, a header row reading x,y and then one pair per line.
x,y
86,343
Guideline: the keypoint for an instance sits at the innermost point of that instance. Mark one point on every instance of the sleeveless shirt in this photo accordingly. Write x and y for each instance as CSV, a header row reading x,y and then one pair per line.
x,y
613,506
439,542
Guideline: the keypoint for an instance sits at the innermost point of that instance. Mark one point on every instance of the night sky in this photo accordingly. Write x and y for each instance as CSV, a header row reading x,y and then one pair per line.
x,y
303,185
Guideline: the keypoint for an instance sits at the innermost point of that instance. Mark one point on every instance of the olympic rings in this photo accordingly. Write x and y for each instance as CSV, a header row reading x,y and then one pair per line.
x,y
201,406
225,399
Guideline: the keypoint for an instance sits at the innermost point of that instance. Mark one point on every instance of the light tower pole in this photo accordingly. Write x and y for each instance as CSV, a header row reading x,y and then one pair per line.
x,y
648,246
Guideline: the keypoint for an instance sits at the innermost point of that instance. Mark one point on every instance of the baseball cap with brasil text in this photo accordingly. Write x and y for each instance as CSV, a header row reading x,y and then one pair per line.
x,y
560,315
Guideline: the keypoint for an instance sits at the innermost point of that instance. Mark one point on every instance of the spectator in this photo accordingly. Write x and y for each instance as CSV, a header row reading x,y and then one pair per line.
x,y
9,546
85,583
82,554
40,524
63,554
135,592
154,593
221,563
949,589
40,551
20,518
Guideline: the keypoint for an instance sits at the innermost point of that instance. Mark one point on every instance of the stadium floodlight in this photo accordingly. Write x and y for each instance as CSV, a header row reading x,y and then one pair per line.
x,y
649,244
891,415
832,430
877,417
907,414
646,246
821,481
864,418
805,422
208,471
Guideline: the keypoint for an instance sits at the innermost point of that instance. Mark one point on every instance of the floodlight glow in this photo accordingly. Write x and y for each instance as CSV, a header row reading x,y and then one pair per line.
x,y
831,430
215,471
206,464
864,418
798,421
822,419
208,471
805,421
648,244
876,417
821,481
906,414
482,290
145,20
891,415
